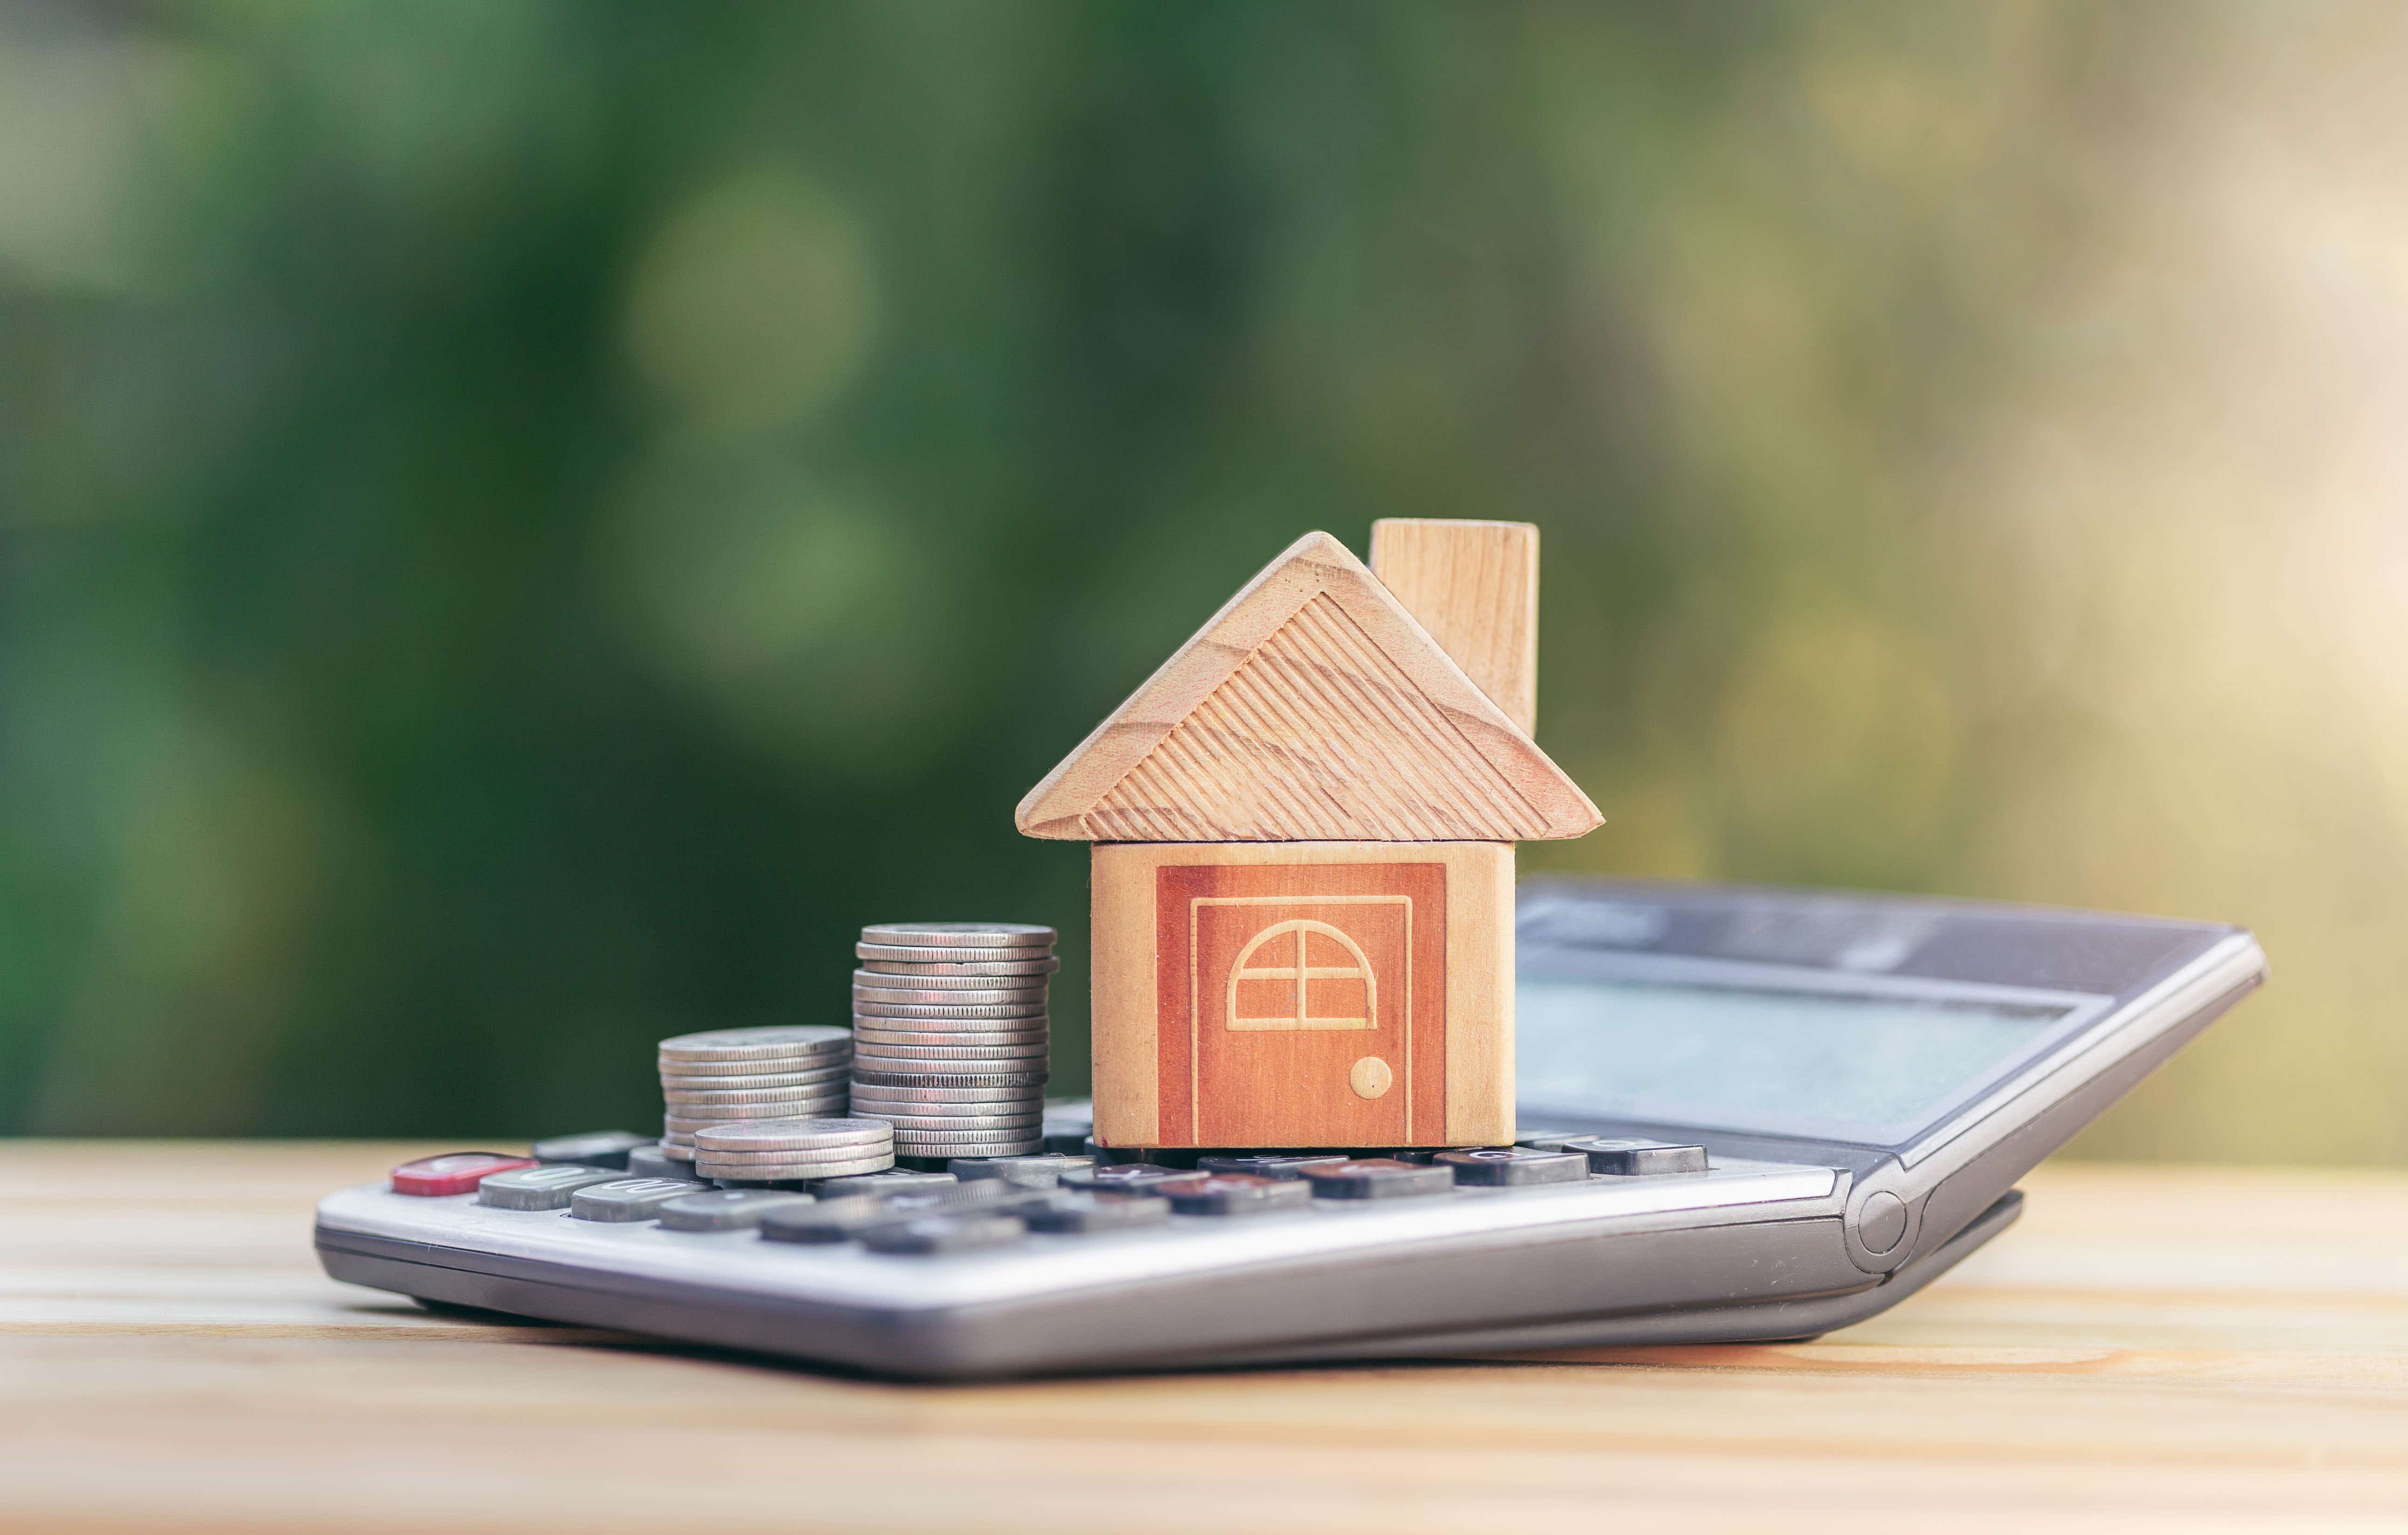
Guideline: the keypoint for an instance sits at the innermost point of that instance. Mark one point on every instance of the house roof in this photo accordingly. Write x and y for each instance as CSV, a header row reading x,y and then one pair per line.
x,y
1311,707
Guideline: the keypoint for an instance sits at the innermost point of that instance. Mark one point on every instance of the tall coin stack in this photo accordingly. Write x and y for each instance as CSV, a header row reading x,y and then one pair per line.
x,y
950,1034
729,1075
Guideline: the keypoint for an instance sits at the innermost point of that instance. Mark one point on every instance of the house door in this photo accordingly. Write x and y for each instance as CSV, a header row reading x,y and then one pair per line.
x,y
1301,997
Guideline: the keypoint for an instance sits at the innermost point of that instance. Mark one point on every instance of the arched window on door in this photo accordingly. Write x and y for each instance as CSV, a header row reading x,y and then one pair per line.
x,y
1285,950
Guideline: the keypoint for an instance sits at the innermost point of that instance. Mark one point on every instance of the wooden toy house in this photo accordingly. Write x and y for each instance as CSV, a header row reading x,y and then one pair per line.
x,y
1303,864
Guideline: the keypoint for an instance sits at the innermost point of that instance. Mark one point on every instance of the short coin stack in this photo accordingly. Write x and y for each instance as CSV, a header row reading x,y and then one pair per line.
x,y
777,1151
731,1075
950,1034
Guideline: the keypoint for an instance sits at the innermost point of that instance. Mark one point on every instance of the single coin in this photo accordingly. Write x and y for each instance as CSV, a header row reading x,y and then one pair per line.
x,y
728,1114
911,956
960,935
820,1156
794,1134
943,1149
793,1172
753,1094
870,1005
988,967
962,1122
888,1058
677,1151
884,980
865,1093
752,1044
872,1077
884,1031
964,1131
684,1081
672,1125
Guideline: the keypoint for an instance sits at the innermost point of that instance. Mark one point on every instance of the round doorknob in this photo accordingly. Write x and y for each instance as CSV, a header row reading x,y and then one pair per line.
x,y
1370,1077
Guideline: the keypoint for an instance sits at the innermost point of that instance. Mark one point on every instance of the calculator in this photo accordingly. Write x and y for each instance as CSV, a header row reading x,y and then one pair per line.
x,y
1745,1114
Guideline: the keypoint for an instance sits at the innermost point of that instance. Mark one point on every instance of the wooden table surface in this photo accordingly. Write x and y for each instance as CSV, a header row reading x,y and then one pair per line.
x,y
2152,1347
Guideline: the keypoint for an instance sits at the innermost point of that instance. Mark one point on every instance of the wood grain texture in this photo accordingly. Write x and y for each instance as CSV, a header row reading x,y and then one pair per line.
x,y
1474,586
2152,1348
1142,980
1312,707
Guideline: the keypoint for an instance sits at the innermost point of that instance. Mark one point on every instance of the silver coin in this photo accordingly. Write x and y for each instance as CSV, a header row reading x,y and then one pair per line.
x,y
951,1039
755,1081
786,1173
991,968
813,1158
960,935
872,1078
840,1109
911,956
677,1151
945,1004
911,980
864,1093
884,1057
934,1143
905,1124
754,1094
790,1134
752,1044
728,1114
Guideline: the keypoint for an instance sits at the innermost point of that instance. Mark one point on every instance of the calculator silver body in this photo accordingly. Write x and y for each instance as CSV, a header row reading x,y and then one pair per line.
x,y
1787,1235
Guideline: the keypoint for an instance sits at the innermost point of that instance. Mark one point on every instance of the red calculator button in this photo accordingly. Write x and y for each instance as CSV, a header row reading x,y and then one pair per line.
x,y
453,1173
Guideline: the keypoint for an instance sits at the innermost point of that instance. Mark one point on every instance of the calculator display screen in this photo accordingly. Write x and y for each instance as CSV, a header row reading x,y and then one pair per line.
x,y
1875,1070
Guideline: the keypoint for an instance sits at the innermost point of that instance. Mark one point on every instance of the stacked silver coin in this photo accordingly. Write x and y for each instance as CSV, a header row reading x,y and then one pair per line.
x,y
950,1034
776,1151
730,1076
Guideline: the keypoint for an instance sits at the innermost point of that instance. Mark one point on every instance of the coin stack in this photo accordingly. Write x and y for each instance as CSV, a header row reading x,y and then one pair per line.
x,y
774,1151
730,1075
948,1032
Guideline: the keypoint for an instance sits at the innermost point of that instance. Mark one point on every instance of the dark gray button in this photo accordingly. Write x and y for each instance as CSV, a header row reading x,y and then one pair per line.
x,y
542,1188
1069,1211
629,1199
1514,1167
727,1209
1027,1171
648,1161
1132,1176
843,1219
1232,1193
1265,1167
592,1149
1553,1140
945,1234
1376,1178
1625,1159
1420,1156
1882,1222
893,1181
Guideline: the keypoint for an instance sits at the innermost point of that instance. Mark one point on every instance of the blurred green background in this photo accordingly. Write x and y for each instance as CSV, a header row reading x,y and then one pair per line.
x,y
523,525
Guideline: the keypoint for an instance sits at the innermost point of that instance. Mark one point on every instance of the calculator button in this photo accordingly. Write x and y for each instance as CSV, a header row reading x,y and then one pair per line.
x,y
1625,1159
1551,1140
1106,1178
593,1149
453,1173
1074,1213
893,1181
648,1161
540,1188
843,1219
946,1234
1232,1194
1420,1156
727,1209
1514,1167
629,1199
1027,1171
1265,1167
1376,1178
